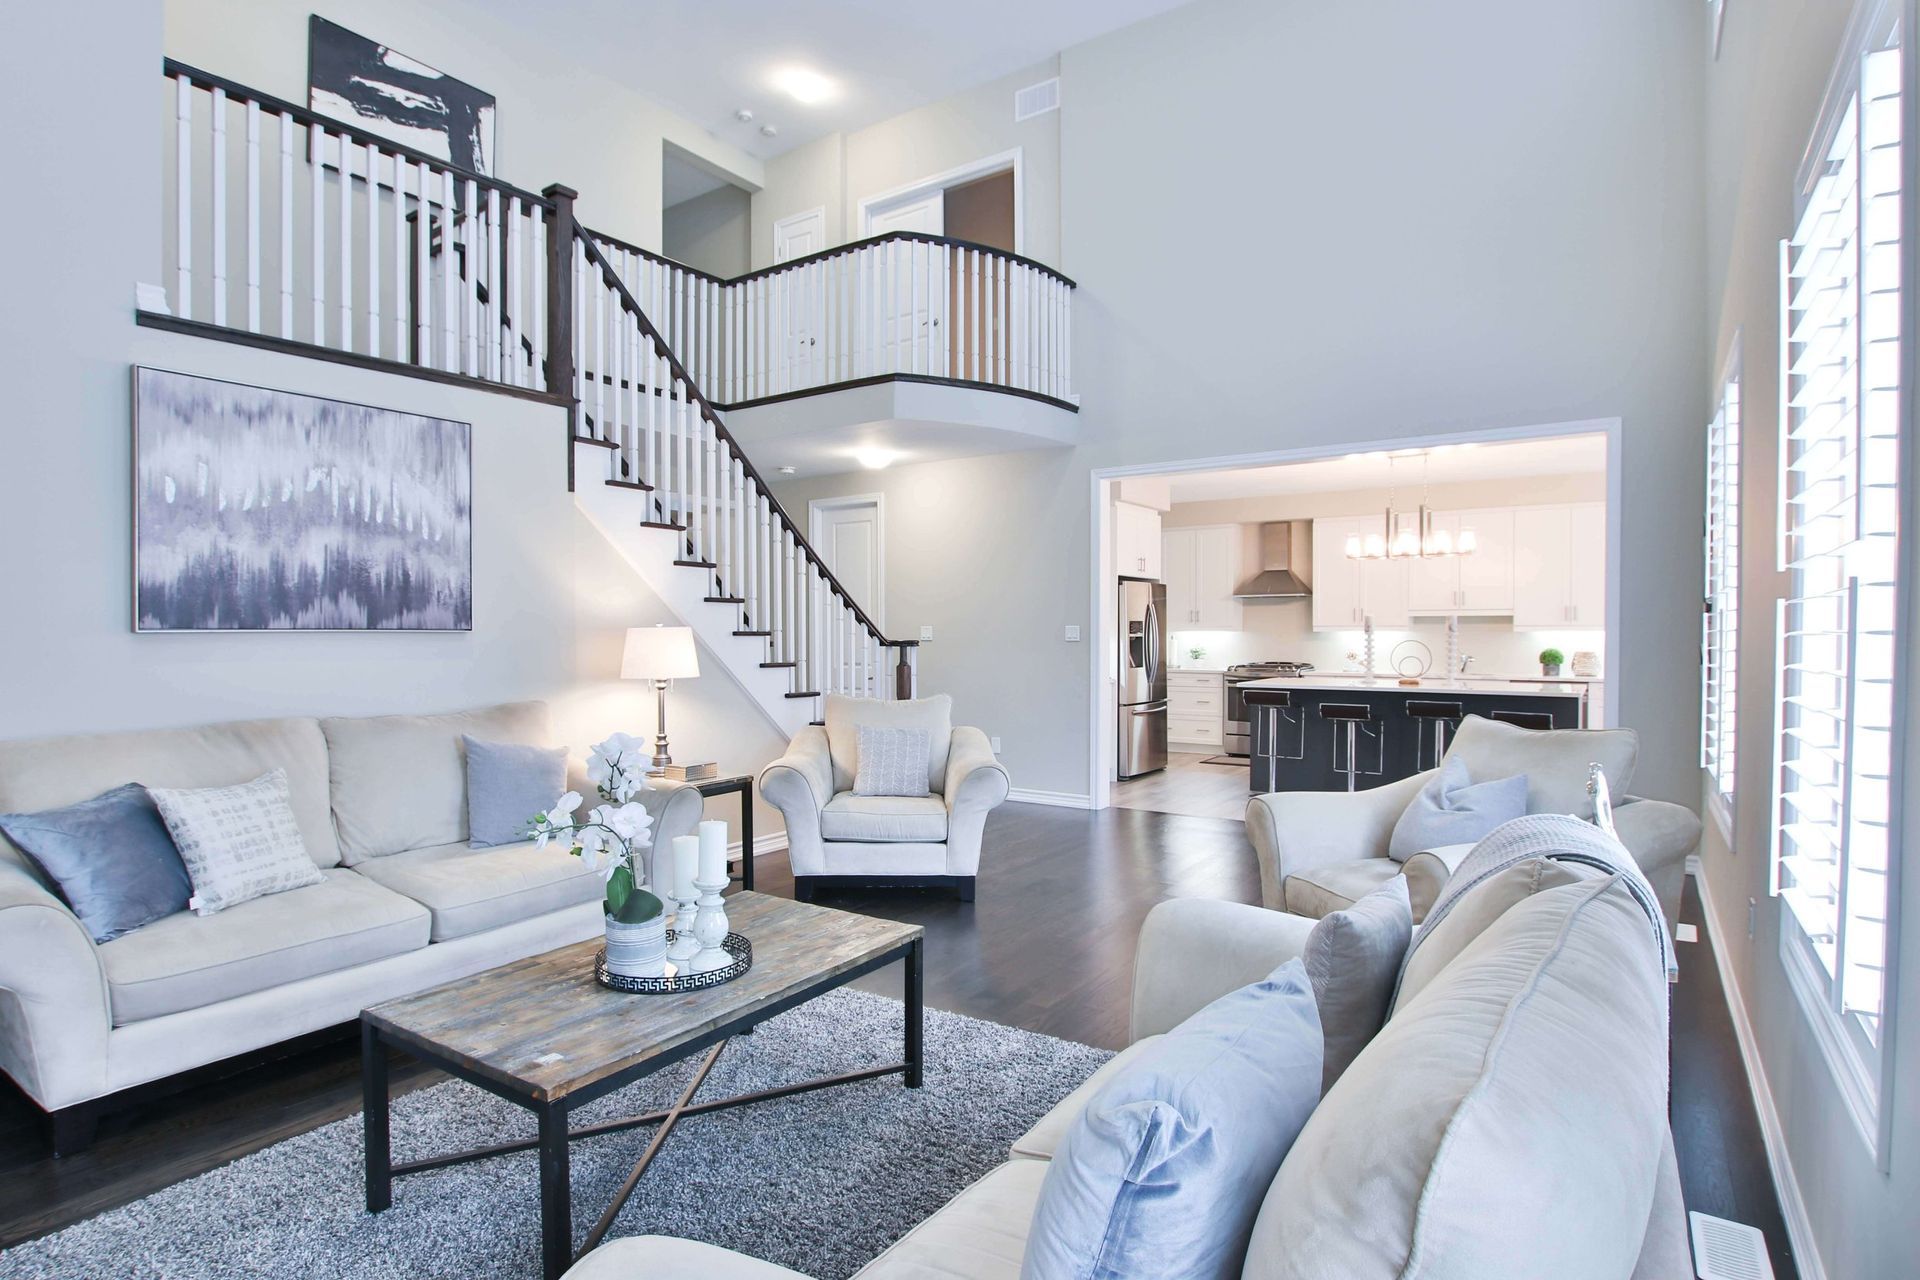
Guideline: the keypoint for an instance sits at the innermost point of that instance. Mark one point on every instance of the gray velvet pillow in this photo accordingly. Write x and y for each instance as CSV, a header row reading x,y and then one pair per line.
x,y
1353,959
1454,809
111,858
507,784
893,762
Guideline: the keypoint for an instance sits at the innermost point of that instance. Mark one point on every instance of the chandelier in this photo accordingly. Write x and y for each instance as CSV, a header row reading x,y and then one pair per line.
x,y
1420,540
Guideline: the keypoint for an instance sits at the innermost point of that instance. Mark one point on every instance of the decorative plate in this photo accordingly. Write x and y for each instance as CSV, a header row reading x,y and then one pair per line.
x,y
736,945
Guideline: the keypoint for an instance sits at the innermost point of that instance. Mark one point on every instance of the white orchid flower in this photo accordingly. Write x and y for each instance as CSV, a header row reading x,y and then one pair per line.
x,y
561,814
631,822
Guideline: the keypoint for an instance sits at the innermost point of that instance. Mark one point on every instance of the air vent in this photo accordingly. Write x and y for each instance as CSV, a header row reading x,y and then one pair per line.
x,y
1036,100
1725,1250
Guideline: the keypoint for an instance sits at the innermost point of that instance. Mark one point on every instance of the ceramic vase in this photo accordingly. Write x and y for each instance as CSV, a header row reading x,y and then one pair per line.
x,y
637,937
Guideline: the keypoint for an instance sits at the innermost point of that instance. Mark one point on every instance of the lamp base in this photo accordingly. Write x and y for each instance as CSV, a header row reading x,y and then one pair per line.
x,y
662,757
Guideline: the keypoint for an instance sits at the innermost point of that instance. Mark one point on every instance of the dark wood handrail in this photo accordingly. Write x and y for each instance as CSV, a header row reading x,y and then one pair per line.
x,y
280,106
850,247
678,371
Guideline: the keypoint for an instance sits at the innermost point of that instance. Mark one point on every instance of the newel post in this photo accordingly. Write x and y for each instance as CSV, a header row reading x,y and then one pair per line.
x,y
560,233
903,675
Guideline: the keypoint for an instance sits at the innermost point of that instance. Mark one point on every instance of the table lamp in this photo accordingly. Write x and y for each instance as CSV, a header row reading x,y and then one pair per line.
x,y
662,655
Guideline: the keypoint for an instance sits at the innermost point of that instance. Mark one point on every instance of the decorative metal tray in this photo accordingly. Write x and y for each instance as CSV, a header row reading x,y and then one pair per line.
x,y
736,945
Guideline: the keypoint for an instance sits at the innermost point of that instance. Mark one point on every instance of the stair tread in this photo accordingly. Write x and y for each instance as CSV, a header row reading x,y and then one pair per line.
x,y
696,564
663,524
814,693
753,633
598,443
631,484
779,664
726,599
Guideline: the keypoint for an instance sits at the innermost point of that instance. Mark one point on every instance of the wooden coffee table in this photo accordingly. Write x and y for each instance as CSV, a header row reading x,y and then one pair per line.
x,y
542,1033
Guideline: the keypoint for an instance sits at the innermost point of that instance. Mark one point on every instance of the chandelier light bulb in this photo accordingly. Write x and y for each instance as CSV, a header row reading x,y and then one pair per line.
x,y
1468,543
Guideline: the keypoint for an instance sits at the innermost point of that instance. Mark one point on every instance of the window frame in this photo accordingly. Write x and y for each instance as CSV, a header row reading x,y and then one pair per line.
x,y
1720,604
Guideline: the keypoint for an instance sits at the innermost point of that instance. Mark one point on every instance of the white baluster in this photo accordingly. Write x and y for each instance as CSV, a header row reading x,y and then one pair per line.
x,y
423,264
286,226
470,287
183,198
402,297
373,249
450,281
601,298
580,326
346,244
537,370
253,217
218,204
1066,342
317,232
516,294
495,298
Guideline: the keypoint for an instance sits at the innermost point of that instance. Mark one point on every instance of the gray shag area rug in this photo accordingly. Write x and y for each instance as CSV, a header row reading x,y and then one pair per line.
x,y
820,1182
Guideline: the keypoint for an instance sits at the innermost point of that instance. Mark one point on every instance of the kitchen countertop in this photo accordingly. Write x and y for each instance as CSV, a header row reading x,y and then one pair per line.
x,y
1387,684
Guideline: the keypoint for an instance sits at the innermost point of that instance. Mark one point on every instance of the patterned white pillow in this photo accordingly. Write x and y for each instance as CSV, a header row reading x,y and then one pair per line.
x,y
893,762
238,842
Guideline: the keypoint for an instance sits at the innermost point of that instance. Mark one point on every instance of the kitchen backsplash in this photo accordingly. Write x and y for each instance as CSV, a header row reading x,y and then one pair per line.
x,y
1283,630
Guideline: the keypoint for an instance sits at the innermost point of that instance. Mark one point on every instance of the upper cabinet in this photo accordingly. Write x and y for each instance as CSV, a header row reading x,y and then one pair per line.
x,y
1136,541
1560,566
1201,566
1478,583
1347,592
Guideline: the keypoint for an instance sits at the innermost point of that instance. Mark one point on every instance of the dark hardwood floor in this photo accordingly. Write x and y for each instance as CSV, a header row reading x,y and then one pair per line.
x,y
1048,945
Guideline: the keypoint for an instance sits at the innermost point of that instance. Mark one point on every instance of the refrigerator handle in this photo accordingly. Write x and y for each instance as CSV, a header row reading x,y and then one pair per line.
x,y
1153,644
1151,710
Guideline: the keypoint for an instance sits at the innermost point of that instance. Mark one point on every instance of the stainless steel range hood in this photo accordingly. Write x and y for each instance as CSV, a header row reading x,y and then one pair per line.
x,y
1276,579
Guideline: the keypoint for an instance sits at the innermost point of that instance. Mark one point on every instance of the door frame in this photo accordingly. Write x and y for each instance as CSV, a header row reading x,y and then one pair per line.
x,y
921,188
1102,730
818,508
818,211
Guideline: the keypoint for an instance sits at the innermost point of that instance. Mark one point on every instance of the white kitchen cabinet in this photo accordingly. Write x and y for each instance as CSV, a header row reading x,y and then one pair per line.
x,y
1201,566
1196,708
1560,567
1477,583
1587,554
1136,541
1346,593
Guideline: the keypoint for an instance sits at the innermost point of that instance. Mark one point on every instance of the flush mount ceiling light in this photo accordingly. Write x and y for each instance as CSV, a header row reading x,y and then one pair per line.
x,y
744,115
804,85
768,131
874,459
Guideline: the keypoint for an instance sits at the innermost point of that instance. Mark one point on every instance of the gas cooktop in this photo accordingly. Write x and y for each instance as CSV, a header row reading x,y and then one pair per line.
x,y
1269,670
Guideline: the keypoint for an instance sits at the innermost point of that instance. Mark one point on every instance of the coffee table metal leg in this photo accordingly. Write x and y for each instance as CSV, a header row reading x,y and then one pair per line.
x,y
556,1193
373,1090
916,1013
746,836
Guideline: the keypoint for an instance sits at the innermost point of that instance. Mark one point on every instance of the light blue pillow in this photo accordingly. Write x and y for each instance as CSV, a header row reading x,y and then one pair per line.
x,y
1454,809
111,857
1164,1172
507,784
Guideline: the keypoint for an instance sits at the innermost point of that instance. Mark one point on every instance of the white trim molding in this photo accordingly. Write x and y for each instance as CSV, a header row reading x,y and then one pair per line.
x,y
1058,799
817,507
921,188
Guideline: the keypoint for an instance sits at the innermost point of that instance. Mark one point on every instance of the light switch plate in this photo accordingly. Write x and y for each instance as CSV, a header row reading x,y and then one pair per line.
x,y
995,744
926,635
1073,633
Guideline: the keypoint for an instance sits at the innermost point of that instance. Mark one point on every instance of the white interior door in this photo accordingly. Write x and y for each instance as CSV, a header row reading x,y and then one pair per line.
x,y
916,287
796,298
848,534
800,234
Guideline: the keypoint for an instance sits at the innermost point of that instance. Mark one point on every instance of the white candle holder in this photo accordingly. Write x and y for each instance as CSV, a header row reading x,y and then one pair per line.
x,y
685,945
710,928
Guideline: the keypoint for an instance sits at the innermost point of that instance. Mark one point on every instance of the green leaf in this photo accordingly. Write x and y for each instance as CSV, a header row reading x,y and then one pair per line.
x,y
618,887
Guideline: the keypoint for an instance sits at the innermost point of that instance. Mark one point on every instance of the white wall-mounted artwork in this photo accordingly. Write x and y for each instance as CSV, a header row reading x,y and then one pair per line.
x,y
386,93
260,510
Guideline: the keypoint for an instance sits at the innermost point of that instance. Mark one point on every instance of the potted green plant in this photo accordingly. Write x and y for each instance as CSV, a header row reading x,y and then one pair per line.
x,y
1550,660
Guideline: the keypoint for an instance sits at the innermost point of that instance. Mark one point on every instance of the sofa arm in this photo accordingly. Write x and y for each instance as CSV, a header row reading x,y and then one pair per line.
x,y
675,808
54,1008
976,784
1295,831
1192,951
636,1257
1659,835
799,784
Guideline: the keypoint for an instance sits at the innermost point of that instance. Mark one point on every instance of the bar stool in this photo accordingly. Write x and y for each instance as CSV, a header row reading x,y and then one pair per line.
x,y
1280,731
1437,721
1355,718
1526,719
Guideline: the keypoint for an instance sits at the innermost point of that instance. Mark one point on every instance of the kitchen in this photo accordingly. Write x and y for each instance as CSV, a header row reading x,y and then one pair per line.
x,y
1326,624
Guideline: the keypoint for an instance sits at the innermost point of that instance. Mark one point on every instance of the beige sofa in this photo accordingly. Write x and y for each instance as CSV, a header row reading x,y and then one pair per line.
x,y
1508,1123
1320,851
381,804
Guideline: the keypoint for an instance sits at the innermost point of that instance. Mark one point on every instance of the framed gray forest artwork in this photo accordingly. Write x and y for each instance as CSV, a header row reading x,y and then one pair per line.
x,y
260,510
384,92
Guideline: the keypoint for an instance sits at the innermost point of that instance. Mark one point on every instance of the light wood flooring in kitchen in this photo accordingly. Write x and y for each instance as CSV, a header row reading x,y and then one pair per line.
x,y
1186,786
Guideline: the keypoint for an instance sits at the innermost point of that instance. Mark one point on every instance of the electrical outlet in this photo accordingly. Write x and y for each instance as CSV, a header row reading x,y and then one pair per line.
x,y
1073,634
1753,916
995,744
926,635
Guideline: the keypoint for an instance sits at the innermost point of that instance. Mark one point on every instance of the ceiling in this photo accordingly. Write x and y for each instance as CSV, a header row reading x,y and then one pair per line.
x,y
1565,455
706,59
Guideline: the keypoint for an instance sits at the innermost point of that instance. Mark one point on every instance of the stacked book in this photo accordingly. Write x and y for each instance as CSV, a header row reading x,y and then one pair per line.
x,y
690,772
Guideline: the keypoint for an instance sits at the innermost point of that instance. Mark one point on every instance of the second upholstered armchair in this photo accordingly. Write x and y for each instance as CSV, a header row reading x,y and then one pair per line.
x,y
837,836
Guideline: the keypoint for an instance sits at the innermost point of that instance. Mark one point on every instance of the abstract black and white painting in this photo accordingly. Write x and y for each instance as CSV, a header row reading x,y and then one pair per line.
x,y
258,510
383,91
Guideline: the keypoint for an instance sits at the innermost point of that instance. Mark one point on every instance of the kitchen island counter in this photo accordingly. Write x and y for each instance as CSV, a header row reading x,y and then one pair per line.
x,y
1428,688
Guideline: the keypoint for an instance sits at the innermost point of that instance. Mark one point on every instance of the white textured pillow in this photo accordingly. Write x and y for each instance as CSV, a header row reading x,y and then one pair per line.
x,y
893,762
238,842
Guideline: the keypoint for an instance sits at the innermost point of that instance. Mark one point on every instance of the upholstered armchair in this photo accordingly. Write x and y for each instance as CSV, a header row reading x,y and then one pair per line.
x,y
835,837
1319,851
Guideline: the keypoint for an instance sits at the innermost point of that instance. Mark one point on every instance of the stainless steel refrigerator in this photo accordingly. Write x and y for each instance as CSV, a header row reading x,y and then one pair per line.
x,y
1142,723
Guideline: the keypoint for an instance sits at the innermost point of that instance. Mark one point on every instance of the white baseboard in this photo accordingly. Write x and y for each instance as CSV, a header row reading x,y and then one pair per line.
x,y
1059,799
1793,1207
774,843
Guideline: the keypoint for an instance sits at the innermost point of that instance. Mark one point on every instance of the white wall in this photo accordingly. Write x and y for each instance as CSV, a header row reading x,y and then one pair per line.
x,y
711,232
1301,226
1763,95
556,123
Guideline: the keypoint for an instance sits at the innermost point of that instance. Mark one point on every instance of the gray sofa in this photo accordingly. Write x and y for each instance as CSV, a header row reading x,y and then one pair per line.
x,y
381,804
1509,1122
1320,851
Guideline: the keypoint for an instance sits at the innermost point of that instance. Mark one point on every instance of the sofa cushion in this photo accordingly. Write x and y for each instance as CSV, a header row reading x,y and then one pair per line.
x,y
1321,891
1041,1141
1454,809
1506,1125
472,890
508,783
1427,873
186,961
980,1234
238,843
111,857
884,819
400,782
45,773
670,1258
844,716
1353,959
1554,760
1437,942
891,762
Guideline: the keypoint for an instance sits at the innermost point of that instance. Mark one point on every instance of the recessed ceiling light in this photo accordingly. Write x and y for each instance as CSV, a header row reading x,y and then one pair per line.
x,y
804,85
768,131
787,471
744,115
874,459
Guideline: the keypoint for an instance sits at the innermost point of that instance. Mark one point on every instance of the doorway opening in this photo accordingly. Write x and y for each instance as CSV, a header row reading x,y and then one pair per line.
x,y
980,202
849,533
1479,569
705,215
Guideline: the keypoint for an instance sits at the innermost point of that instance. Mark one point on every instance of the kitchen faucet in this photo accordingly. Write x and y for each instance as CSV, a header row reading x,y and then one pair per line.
x,y
1466,660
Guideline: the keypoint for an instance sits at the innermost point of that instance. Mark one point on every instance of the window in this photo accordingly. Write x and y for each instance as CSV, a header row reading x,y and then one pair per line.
x,y
1840,491
1720,620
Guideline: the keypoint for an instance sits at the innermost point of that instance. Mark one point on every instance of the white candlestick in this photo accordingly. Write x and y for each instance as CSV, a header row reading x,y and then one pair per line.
x,y
713,851
686,866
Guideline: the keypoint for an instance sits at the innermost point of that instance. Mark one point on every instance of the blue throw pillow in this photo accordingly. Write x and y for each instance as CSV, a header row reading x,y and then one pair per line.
x,y
111,858
1454,809
1165,1170
507,784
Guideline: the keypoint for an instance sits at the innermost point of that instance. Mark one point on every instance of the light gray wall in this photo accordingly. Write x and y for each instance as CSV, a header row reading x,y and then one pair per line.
x,y
1763,96
551,598
712,232
1296,226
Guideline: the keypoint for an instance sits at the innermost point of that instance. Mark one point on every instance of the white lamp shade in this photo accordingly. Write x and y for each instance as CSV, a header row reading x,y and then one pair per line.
x,y
659,653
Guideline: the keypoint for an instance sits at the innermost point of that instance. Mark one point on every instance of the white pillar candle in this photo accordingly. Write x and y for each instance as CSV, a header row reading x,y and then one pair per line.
x,y
686,860
713,851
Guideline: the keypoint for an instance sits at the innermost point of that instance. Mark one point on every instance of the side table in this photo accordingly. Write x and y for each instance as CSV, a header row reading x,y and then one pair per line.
x,y
740,784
